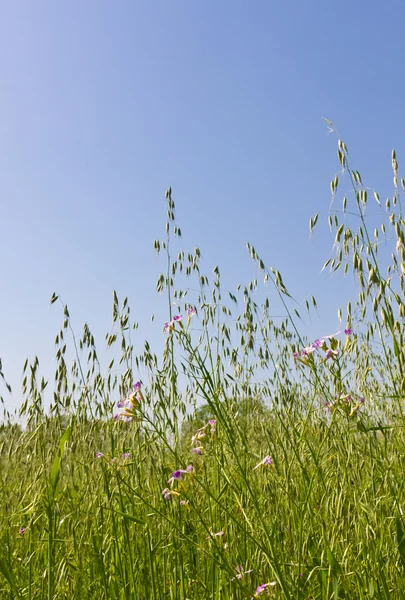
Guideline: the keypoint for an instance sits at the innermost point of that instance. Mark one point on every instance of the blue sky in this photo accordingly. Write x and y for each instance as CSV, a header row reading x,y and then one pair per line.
x,y
104,105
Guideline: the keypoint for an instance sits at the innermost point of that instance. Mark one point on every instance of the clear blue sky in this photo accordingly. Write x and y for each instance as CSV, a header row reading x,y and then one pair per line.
x,y
103,105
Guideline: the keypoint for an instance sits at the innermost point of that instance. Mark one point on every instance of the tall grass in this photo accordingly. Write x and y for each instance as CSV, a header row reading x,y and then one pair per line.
x,y
249,463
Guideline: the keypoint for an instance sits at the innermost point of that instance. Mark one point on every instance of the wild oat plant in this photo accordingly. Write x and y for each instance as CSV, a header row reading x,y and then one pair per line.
x,y
242,461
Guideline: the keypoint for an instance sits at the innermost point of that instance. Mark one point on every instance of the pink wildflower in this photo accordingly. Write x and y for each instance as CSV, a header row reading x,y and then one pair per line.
x,y
240,573
331,353
197,451
264,588
218,534
267,461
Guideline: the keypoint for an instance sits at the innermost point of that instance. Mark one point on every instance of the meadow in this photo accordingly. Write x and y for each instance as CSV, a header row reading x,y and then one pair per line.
x,y
241,460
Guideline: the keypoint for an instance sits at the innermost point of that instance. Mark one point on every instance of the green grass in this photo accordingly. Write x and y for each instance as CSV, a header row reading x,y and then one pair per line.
x,y
324,520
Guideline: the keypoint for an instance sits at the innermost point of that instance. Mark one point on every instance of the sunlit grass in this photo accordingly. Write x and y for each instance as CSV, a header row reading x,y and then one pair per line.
x,y
248,463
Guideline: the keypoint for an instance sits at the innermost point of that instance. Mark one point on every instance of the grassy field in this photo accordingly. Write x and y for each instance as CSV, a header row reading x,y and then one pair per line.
x,y
249,462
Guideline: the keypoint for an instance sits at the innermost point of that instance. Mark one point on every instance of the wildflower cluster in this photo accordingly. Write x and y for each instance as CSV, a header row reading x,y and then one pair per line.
x,y
176,476
346,403
117,461
169,325
328,344
264,589
129,405
200,435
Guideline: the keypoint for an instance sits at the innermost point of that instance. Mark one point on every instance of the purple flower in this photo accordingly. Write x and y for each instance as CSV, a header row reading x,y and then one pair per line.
x,y
348,331
240,572
177,475
99,455
124,415
21,531
331,353
295,354
260,589
267,461
170,324
191,311
265,588
213,424
129,404
129,401
197,450
166,494
318,344
126,455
